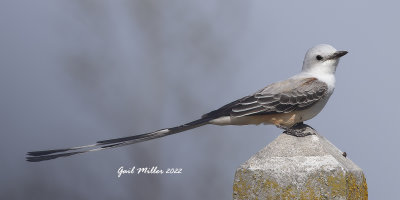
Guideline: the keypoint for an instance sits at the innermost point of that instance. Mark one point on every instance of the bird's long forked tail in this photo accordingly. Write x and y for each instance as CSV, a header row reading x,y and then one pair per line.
x,y
37,156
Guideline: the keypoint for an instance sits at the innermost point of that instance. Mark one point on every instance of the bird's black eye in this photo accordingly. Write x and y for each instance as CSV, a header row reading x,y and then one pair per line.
x,y
319,57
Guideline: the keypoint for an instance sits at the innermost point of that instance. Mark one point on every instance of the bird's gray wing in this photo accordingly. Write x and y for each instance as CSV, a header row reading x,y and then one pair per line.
x,y
281,97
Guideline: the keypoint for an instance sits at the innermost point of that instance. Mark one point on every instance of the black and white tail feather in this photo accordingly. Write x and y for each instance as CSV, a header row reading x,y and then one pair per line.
x,y
37,156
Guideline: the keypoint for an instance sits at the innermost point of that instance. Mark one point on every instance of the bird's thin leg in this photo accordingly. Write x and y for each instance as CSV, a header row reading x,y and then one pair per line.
x,y
299,130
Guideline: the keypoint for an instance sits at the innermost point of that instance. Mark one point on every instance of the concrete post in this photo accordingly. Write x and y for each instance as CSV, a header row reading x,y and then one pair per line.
x,y
292,167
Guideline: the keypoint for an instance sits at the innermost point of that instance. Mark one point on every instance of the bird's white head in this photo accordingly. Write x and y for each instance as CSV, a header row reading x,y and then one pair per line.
x,y
322,58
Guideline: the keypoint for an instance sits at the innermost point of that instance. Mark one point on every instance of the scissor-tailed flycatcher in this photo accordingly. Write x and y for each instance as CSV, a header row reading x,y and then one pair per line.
x,y
284,104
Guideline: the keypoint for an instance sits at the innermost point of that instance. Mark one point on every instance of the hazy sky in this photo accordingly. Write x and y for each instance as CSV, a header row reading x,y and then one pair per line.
x,y
78,71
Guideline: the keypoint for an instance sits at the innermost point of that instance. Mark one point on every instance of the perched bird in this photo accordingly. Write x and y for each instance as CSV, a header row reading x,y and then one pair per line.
x,y
285,104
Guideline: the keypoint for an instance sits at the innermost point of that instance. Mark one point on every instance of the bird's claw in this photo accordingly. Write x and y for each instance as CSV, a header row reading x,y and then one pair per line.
x,y
299,130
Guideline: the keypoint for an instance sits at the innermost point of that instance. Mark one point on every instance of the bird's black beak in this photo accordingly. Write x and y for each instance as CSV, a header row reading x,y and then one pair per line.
x,y
337,55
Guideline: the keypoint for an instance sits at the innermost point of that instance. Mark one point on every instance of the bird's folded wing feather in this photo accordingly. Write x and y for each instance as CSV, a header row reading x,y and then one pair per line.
x,y
281,97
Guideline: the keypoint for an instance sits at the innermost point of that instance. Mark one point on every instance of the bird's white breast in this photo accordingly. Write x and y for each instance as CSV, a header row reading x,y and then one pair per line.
x,y
327,78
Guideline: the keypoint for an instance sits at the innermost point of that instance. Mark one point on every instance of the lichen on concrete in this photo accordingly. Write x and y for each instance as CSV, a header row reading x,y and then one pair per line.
x,y
299,168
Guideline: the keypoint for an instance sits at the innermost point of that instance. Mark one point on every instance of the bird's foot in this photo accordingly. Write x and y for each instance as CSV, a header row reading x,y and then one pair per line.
x,y
299,130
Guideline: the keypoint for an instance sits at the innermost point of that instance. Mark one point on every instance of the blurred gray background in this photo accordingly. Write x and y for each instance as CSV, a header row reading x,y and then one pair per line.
x,y
78,71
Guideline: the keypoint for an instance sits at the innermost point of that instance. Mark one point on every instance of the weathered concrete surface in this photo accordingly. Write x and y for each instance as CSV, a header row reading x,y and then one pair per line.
x,y
299,168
